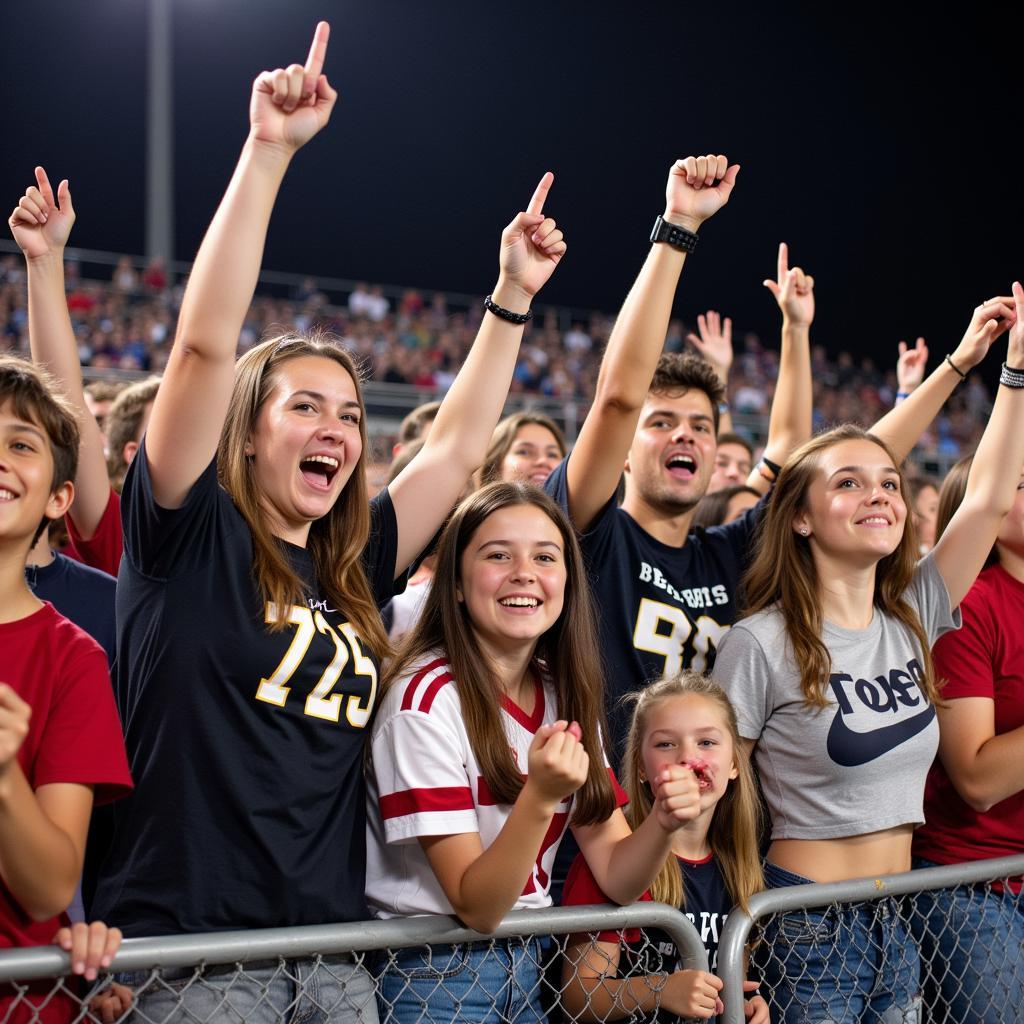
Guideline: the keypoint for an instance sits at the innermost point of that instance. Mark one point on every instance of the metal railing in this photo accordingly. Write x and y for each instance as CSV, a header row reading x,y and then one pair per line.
x,y
356,971
952,936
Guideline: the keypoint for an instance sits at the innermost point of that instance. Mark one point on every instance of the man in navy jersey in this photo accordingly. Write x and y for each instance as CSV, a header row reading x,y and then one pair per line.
x,y
664,599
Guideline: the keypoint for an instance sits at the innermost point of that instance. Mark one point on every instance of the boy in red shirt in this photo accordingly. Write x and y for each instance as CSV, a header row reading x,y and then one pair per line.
x,y
61,747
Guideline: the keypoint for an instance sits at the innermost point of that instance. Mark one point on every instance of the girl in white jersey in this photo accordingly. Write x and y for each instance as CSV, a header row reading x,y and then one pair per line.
x,y
832,680
487,746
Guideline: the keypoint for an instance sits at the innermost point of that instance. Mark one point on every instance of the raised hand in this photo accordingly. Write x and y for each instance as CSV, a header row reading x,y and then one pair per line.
x,y
14,718
793,290
676,797
39,223
290,105
532,245
910,365
714,342
91,946
1015,350
989,321
698,187
557,764
692,994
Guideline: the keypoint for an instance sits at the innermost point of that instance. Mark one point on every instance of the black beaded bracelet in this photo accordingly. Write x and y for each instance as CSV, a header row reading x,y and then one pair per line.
x,y
506,314
956,369
1011,377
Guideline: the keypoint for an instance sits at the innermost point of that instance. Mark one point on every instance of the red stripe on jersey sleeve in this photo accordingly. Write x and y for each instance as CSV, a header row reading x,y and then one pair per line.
x,y
621,796
419,801
433,689
411,686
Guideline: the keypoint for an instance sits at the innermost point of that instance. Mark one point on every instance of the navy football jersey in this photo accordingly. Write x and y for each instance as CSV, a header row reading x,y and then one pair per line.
x,y
246,745
660,608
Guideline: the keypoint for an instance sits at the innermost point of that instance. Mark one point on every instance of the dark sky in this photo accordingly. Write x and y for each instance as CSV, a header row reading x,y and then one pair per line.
x,y
884,146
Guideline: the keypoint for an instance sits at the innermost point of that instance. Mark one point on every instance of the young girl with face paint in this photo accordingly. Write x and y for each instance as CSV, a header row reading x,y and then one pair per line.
x,y
714,862
487,747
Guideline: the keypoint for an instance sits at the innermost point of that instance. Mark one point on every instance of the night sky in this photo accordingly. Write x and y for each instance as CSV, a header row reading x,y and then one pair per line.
x,y
884,147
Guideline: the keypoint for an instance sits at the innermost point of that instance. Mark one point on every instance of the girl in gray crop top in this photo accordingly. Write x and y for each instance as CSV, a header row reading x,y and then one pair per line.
x,y
830,672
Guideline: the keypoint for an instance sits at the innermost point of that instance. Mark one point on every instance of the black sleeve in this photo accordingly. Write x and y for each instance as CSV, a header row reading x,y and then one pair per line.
x,y
164,543
381,551
740,534
598,540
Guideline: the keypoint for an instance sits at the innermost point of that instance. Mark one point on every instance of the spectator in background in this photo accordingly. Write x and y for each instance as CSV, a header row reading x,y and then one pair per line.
x,y
154,277
126,280
733,462
723,506
924,495
126,425
99,399
526,447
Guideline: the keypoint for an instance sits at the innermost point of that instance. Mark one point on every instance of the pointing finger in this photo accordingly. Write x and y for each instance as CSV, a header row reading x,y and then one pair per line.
x,y
540,194
315,60
783,262
44,186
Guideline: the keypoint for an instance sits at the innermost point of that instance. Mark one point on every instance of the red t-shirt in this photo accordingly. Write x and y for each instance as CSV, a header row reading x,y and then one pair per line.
x,y
983,659
74,736
103,549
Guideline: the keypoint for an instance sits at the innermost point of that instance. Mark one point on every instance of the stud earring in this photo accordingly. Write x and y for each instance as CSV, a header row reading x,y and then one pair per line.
x,y
804,531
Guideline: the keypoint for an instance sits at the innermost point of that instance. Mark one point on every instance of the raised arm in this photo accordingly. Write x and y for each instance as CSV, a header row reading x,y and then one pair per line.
x,y
697,188
995,472
41,225
713,343
288,107
789,424
902,427
425,491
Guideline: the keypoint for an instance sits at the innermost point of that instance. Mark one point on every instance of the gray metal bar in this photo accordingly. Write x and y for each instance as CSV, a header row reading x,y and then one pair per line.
x,y
360,936
736,933
159,134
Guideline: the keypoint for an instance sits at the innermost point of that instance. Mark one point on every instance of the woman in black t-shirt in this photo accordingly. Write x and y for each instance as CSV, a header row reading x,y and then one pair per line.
x,y
254,564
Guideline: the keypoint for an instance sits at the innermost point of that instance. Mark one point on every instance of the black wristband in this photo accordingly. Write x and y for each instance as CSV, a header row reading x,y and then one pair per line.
x,y
956,369
1011,377
671,234
773,466
506,314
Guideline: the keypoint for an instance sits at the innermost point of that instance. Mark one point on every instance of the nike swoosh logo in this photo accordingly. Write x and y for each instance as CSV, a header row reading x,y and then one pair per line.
x,y
850,749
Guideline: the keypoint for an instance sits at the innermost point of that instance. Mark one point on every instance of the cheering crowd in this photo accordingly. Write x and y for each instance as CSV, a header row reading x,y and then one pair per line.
x,y
516,669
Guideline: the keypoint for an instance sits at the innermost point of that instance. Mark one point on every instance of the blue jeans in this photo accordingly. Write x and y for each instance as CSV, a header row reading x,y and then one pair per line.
x,y
849,964
972,942
328,990
496,980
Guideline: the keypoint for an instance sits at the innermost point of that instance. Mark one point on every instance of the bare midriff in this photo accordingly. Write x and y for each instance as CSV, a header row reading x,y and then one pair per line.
x,y
836,860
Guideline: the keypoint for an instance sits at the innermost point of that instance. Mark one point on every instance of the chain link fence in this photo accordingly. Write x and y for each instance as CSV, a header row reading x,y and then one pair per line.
x,y
546,965
943,945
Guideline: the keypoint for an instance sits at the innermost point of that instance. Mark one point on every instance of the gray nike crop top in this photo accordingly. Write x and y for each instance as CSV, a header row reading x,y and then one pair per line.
x,y
857,765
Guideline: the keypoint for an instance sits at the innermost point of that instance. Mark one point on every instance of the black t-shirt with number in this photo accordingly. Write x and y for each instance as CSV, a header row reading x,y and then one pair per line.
x,y
706,903
660,608
246,745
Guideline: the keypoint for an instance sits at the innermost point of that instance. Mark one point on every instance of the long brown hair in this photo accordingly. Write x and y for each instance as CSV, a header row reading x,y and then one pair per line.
x,y
336,541
736,822
567,653
951,496
504,437
783,571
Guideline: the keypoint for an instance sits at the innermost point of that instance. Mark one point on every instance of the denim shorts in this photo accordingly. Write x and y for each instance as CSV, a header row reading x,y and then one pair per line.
x,y
972,943
327,990
496,980
854,963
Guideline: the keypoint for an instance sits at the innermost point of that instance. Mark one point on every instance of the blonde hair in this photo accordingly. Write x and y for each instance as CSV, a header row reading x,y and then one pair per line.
x,y
336,541
737,820
783,572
